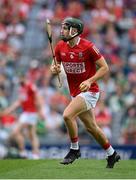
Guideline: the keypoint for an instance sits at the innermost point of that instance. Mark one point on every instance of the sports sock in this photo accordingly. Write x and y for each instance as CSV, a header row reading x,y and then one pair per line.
x,y
23,153
74,143
109,149
74,146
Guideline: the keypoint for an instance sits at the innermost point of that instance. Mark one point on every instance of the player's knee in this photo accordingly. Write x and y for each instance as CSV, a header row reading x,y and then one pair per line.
x,y
66,116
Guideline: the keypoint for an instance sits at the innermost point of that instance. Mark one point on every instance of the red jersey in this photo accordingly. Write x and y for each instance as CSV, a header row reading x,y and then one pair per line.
x,y
79,63
27,94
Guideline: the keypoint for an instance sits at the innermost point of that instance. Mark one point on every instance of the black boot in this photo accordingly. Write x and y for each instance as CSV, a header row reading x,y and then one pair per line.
x,y
71,156
111,160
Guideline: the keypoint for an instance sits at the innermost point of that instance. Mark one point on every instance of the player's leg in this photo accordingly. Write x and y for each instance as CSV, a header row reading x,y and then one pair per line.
x,y
34,141
75,107
31,120
88,118
17,135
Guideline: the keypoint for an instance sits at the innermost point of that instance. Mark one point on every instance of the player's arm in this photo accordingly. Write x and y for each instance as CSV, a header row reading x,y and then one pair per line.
x,y
12,108
102,70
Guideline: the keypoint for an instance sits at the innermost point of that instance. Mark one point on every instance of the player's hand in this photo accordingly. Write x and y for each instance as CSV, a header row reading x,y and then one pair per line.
x,y
55,69
5,112
85,86
1,114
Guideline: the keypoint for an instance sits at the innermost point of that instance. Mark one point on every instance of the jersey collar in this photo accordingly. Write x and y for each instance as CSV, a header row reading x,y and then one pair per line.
x,y
76,43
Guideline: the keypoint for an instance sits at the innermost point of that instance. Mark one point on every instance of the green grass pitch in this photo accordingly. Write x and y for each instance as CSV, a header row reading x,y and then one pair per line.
x,y
52,169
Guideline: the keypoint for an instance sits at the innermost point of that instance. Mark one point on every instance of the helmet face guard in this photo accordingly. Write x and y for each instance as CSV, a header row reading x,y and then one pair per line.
x,y
70,23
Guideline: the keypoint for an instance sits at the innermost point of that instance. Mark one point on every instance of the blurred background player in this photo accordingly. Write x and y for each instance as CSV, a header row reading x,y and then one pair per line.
x,y
31,103
80,58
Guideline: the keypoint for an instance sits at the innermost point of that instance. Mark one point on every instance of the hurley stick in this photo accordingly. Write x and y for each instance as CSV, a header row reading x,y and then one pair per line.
x,y
49,34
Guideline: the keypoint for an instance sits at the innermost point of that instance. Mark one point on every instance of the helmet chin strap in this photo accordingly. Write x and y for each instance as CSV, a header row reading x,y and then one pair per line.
x,y
71,36
70,33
